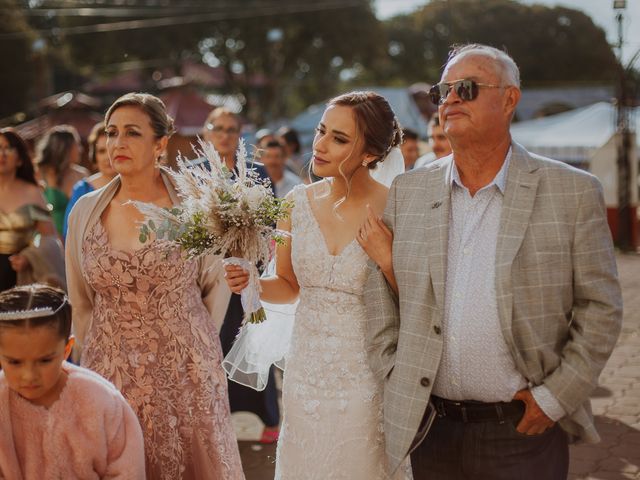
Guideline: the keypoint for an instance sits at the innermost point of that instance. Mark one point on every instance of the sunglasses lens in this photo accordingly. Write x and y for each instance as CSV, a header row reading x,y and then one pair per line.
x,y
467,90
434,94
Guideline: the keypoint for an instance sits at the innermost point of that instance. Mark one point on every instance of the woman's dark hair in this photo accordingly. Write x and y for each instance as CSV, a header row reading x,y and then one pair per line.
x,y
409,134
290,136
97,131
375,119
152,106
25,167
54,148
30,298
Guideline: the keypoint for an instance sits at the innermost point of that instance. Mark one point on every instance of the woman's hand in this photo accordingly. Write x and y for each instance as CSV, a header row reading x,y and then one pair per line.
x,y
376,239
237,277
19,262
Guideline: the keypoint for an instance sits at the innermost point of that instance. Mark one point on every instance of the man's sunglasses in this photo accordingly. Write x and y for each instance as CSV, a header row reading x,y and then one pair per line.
x,y
466,90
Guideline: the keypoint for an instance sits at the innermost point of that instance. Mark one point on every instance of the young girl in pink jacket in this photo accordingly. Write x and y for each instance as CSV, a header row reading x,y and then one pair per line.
x,y
57,420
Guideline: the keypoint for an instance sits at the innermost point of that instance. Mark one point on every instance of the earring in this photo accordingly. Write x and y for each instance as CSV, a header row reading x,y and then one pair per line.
x,y
364,163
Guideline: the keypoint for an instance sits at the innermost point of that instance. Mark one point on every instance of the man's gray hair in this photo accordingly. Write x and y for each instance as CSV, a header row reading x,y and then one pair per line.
x,y
510,71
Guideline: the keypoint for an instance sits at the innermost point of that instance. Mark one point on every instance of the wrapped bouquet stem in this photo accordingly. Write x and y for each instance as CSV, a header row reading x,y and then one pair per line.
x,y
225,213
250,296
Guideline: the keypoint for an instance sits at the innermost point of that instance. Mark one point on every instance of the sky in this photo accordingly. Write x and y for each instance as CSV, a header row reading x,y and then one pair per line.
x,y
601,11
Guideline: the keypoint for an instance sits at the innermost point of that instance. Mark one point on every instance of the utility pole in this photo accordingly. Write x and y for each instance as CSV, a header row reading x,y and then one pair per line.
x,y
623,128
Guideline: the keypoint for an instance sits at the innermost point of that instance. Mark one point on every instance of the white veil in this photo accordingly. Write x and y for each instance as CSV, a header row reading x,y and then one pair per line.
x,y
389,168
258,346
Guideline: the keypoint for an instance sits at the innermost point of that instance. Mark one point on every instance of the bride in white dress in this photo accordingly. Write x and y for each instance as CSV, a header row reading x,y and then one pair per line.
x,y
332,403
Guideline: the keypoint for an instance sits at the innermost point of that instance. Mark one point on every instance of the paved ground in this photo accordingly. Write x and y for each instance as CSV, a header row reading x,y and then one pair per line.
x,y
616,405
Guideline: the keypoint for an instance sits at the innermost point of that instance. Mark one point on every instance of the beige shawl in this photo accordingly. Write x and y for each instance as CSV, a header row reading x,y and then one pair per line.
x,y
85,213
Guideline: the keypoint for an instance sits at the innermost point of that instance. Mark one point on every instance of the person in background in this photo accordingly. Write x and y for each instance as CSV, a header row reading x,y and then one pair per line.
x,y
29,248
222,129
264,136
409,148
274,158
438,142
57,420
58,154
98,156
289,138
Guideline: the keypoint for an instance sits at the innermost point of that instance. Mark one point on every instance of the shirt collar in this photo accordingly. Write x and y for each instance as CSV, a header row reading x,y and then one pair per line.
x,y
500,180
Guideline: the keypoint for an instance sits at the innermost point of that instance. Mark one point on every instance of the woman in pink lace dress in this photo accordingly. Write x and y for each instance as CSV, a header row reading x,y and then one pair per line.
x,y
145,317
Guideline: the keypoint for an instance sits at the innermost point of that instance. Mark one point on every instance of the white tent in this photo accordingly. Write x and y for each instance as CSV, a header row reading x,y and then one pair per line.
x,y
585,137
573,136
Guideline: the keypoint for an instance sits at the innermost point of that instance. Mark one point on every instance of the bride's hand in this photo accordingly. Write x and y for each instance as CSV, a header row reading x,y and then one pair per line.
x,y
376,239
237,278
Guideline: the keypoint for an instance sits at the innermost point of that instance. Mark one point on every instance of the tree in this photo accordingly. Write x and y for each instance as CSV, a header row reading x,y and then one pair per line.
x,y
550,45
300,56
277,54
20,53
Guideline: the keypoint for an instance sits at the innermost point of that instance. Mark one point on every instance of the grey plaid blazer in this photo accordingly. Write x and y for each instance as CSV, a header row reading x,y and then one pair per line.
x,y
559,300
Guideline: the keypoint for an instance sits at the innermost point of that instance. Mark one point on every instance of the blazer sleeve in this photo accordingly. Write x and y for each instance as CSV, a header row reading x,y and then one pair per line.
x,y
383,314
215,291
597,303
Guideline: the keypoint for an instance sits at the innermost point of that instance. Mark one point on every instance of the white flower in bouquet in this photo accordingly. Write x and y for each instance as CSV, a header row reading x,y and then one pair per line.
x,y
222,214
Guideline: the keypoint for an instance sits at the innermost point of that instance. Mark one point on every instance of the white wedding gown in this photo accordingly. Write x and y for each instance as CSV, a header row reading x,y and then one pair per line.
x,y
332,423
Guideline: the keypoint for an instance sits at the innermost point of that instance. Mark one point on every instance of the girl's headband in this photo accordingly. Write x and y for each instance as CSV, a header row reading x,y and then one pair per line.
x,y
32,312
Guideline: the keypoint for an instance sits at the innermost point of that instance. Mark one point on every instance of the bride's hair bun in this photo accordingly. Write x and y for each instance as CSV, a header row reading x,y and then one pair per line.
x,y
375,120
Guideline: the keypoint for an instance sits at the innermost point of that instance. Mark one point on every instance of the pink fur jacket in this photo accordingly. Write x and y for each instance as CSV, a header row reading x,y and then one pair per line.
x,y
91,432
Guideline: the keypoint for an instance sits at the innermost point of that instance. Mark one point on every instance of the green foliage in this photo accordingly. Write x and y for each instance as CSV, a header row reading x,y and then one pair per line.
x,y
282,55
19,59
549,44
195,238
279,54
299,55
273,209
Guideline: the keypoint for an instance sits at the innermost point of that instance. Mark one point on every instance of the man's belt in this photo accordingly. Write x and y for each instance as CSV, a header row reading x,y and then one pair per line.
x,y
475,412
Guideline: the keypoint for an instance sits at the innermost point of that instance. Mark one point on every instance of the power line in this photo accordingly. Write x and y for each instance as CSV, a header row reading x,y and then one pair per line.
x,y
101,12
266,11
65,10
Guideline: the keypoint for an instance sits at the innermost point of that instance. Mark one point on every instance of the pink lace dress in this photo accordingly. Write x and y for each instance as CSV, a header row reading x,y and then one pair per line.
x,y
152,336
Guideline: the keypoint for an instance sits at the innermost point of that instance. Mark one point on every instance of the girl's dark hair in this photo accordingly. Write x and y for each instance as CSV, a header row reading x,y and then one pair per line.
x,y
29,297
25,168
97,131
375,119
152,106
54,148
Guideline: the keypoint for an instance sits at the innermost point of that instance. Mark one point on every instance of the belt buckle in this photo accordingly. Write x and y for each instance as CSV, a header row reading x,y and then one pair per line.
x,y
500,413
463,410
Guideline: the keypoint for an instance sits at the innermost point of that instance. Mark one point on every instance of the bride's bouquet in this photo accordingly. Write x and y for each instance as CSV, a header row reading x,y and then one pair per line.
x,y
222,213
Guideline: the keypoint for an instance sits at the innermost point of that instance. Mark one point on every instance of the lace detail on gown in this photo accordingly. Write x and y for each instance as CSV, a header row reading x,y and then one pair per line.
x,y
152,336
332,424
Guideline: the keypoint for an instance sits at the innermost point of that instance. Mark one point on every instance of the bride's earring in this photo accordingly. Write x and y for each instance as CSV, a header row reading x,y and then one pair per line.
x,y
364,163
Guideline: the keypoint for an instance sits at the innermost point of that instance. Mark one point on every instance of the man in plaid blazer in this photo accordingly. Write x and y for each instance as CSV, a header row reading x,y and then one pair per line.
x,y
508,303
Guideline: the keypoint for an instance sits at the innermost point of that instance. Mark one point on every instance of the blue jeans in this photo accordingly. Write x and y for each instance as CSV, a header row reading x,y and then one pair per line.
x,y
455,450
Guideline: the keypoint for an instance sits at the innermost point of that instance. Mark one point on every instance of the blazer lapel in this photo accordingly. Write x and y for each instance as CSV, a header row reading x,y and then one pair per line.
x,y
437,225
518,202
